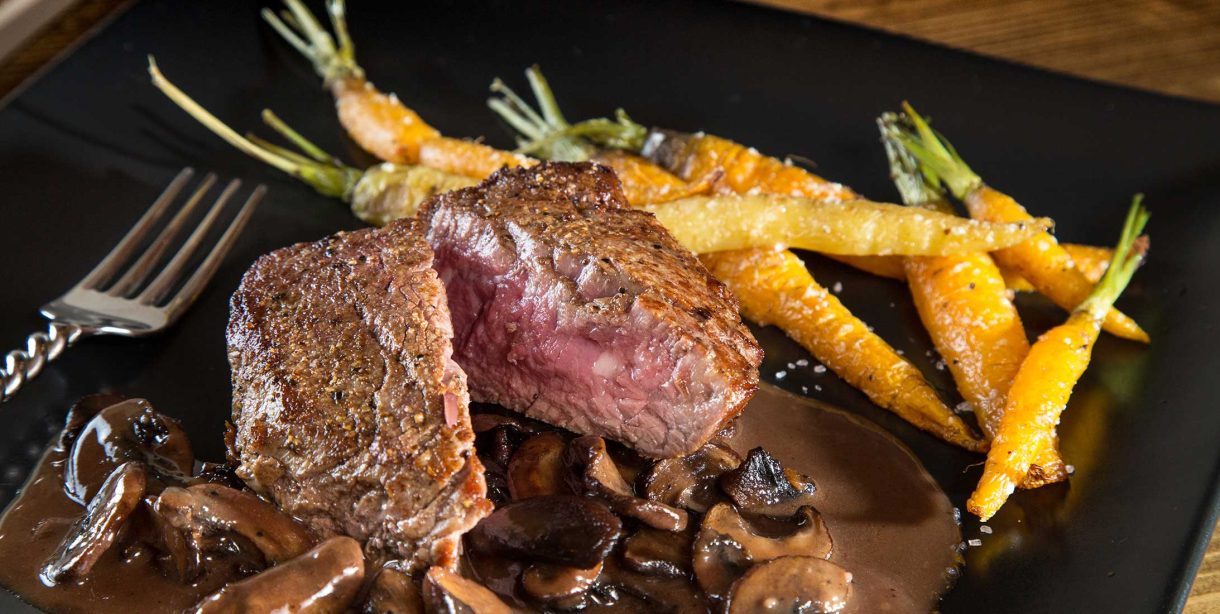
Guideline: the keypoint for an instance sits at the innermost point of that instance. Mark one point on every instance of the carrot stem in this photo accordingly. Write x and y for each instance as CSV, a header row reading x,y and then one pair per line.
x,y
304,32
329,178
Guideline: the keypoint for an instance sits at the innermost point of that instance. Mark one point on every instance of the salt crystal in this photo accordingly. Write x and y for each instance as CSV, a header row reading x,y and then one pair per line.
x,y
819,369
781,374
805,389
1070,468
964,408
837,288
940,365
791,366
984,529
817,387
802,363
900,352
975,543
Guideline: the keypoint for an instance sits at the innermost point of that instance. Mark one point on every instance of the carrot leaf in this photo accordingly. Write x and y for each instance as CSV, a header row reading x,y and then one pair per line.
x,y
1129,254
937,158
303,31
917,185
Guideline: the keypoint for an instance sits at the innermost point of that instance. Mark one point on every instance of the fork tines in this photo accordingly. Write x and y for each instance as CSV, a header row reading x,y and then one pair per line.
x,y
124,271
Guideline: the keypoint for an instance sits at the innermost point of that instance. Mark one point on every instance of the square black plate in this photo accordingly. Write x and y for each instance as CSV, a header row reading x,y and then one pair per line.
x,y
90,143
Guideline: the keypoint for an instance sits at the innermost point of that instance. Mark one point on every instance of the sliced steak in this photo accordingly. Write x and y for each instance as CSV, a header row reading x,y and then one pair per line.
x,y
575,309
348,409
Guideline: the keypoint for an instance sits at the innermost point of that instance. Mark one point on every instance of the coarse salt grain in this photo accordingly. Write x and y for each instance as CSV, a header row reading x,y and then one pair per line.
x,y
791,366
984,529
819,369
837,288
781,374
802,363
975,543
805,389
1070,469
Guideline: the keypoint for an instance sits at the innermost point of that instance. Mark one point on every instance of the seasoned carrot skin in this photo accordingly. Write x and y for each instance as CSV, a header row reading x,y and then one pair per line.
x,y
468,158
1038,395
963,303
774,287
1089,259
1045,264
380,123
647,183
693,156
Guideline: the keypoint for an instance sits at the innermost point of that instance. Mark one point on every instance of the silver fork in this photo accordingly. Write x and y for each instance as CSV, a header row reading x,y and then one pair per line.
x,y
106,301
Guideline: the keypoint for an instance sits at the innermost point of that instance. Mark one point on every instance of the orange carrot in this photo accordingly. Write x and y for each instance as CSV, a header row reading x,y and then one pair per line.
x,y
774,287
647,183
1041,261
380,123
965,307
1044,383
1090,260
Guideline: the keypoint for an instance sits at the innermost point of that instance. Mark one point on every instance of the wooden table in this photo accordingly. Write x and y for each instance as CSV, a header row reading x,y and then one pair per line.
x,y
1160,45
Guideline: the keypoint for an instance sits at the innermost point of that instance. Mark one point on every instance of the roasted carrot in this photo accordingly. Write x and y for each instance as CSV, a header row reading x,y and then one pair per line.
x,y
1090,259
965,306
380,123
377,195
1041,261
774,287
859,227
1044,383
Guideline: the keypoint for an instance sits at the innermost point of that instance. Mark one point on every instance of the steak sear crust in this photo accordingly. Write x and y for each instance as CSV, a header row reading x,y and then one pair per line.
x,y
348,409
573,308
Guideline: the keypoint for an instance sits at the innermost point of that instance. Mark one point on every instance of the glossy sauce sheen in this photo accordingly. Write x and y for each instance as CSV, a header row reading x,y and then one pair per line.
x,y
893,528
33,527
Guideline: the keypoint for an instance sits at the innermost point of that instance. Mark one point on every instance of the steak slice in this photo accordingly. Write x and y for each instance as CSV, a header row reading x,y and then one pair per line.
x,y
575,309
348,409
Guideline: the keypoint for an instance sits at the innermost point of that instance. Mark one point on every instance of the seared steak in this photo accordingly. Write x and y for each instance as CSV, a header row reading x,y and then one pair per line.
x,y
349,411
577,310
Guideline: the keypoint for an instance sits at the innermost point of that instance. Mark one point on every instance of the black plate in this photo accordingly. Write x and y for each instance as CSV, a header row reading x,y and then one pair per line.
x,y
88,145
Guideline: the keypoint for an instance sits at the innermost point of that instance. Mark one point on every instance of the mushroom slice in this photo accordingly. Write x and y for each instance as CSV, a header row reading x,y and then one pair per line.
x,y
690,481
320,581
549,583
536,469
82,412
761,485
557,529
104,519
393,592
661,553
207,509
792,584
448,593
592,471
128,431
728,544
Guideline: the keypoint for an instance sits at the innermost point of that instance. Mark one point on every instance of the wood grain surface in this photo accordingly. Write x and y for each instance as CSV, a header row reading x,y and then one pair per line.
x,y
1166,46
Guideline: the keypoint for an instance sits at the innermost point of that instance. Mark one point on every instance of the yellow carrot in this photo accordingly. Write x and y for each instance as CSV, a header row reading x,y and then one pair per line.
x,y
774,287
1041,261
1044,383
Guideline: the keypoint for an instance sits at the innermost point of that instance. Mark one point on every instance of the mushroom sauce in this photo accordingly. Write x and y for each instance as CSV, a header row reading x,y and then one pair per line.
x,y
795,507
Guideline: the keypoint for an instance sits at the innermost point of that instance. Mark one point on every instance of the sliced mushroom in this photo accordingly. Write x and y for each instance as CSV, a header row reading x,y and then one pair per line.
x,y
792,584
323,580
558,529
217,473
658,593
129,431
536,468
654,552
103,522
82,412
207,509
448,593
690,481
727,544
393,592
761,485
551,583
592,471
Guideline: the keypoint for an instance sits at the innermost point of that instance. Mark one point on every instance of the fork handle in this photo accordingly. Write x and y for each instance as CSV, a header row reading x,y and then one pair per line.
x,y
40,348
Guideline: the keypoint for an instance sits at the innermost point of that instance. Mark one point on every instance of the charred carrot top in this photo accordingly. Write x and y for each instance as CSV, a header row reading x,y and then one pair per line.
x,y
1041,261
964,305
377,195
1045,380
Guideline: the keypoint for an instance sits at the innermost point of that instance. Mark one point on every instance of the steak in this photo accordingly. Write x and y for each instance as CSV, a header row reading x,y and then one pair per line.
x,y
575,309
348,409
